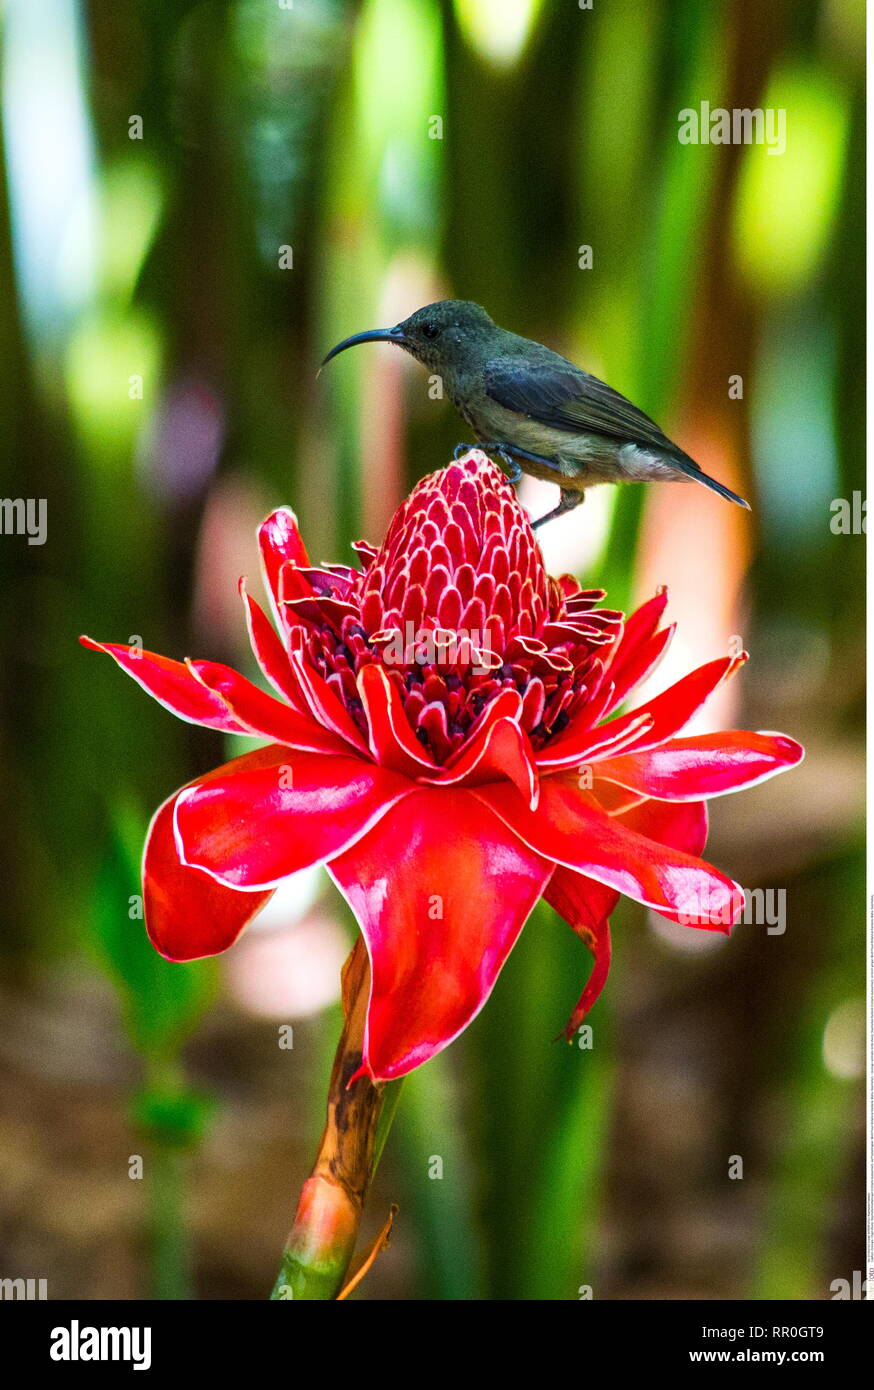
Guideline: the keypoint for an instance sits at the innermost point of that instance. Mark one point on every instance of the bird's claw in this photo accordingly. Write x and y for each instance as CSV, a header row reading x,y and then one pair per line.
x,y
511,467
514,472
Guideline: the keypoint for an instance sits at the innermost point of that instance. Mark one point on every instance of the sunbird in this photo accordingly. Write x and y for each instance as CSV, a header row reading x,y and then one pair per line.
x,y
538,412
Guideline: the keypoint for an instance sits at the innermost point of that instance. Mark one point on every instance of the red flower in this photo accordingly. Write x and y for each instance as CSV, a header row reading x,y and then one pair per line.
x,y
440,736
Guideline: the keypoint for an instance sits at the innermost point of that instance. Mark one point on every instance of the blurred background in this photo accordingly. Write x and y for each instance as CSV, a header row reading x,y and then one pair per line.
x,y
198,200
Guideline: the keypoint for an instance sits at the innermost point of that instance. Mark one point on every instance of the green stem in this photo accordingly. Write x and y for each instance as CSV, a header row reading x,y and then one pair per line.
x,y
169,1262
391,1094
322,1242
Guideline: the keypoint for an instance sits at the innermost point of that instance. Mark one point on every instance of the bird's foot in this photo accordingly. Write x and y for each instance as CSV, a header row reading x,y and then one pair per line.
x,y
511,467
513,471
567,502
524,454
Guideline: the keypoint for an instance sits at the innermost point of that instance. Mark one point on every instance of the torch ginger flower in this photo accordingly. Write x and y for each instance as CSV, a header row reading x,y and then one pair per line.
x,y
443,737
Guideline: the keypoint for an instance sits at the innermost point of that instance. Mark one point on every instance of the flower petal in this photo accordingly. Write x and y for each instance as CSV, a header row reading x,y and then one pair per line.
x,y
638,628
269,651
681,824
571,828
392,741
582,901
639,650
262,714
498,749
441,890
586,906
256,825
188,914
610,796
281,544
314,694
711,765
673,709
582,744
638,663
651,724
173,685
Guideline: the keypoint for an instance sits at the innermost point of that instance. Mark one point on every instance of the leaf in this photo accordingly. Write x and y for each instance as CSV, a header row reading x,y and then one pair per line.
x,y
177,1119
162,1001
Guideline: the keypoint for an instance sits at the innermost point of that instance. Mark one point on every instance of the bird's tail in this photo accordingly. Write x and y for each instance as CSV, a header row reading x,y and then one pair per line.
x,y
691,469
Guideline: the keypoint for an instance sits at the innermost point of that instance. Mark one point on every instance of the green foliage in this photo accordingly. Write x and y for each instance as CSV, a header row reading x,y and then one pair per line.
x,y
173,1118
161,1001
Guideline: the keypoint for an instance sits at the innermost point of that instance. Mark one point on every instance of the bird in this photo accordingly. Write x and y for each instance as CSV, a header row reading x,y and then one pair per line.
x,y
533,408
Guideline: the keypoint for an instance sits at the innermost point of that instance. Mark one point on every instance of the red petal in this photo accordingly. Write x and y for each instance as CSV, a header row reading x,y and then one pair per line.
x,y
673,709
498,749
441,890
583,903
173,685
188,914
681,824
639,627
612,798
690,768
639,663
262,714
392,740
206,692
645,727
256,825
570,828
269,651
280,544
586,906
314,693
582,744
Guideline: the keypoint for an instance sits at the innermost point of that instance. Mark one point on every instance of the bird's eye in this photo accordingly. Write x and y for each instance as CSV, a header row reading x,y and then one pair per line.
x,y
430,330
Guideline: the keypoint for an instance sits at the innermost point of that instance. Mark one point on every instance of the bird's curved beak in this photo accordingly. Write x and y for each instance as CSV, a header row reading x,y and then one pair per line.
x,y
373,335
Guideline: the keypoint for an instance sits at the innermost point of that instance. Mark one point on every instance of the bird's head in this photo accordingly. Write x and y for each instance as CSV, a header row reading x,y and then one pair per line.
x,y
434,335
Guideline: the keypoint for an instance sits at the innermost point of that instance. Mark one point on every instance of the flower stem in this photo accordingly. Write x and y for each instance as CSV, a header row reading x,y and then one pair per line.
x,y
322,1240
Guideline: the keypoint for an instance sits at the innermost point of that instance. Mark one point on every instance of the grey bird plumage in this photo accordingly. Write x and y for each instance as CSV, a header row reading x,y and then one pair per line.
x,y
537,411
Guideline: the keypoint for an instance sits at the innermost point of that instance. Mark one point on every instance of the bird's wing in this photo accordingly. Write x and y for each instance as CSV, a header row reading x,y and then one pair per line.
x,y
560,395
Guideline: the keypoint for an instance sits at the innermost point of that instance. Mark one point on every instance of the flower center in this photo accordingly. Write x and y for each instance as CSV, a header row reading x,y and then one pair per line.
x,y
457,607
